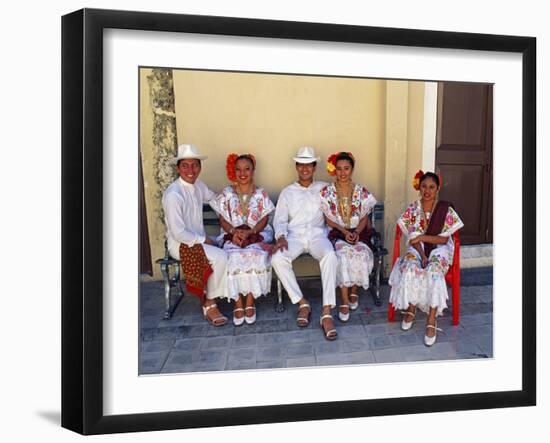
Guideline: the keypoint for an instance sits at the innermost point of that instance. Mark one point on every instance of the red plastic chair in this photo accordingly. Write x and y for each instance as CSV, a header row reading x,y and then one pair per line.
x,y
452,277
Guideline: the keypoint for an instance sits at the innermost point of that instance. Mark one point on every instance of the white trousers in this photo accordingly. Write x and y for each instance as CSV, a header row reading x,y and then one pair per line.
x,y
320,248
216,286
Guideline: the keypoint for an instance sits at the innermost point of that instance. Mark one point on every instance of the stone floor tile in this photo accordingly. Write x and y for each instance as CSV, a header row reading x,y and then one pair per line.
x,y
348,332
393,355
156,345
300,362
150,321
269,353
188,344
380,342
377,329
362,357
485,343
193,330
298,336
240,341
212,343
476,319
272,364
234,365
207,366
297,350
404,339
226,330
242,354
152,362
354,345
273,338
329,359
327,347
182,358
212,356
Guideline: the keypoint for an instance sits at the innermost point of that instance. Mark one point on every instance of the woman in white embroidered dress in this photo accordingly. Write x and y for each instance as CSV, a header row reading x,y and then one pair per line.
x,y
346,206
243,209
418,278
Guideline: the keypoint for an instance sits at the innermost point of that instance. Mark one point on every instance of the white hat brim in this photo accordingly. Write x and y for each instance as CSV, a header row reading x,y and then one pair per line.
x,y
191,157
306,159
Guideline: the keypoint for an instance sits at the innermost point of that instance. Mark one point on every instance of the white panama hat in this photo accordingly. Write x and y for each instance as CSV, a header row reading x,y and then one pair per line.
x,y
189,151
306,154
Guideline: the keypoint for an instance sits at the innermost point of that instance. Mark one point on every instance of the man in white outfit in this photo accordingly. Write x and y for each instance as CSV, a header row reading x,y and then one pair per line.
x,y
300,227
182,202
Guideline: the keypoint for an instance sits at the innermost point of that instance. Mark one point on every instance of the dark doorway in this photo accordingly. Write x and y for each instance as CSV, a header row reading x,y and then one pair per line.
x,y
145,262
464,155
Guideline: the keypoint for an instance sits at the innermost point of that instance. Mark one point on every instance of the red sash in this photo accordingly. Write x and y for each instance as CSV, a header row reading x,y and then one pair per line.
x,y
437,220
196,268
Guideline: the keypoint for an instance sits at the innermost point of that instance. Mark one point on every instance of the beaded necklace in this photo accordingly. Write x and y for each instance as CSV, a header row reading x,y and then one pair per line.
x,y
244,199
344,203
426,215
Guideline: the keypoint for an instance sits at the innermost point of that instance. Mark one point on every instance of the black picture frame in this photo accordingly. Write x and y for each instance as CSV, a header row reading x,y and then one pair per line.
x,y
82,218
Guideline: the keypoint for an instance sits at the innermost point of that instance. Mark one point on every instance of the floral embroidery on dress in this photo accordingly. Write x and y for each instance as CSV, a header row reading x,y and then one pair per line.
x,y
355,262
452,222
413,224
412,284
249,268
228,205
362,202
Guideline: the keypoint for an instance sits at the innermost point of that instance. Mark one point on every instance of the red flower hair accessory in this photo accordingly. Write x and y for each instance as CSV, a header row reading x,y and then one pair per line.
x,y
231,162
230,166
331,162
416,179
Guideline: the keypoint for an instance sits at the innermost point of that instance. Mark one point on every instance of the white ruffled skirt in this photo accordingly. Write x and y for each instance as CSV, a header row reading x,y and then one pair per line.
x,y
355,263
248,270
422,287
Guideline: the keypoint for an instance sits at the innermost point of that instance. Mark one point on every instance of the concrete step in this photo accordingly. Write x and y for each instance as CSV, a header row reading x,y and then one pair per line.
x,y
482,276
476,256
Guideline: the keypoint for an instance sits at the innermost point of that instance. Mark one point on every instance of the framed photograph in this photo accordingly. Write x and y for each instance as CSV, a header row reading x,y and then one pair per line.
x,y
139,89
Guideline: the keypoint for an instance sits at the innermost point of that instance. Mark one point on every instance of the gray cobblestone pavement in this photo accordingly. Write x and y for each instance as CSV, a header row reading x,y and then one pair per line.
x,y
187,343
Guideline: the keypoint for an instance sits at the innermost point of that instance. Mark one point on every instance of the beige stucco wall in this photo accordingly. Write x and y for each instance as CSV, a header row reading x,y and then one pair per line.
x,y
271,116
403,151
380,121
415,124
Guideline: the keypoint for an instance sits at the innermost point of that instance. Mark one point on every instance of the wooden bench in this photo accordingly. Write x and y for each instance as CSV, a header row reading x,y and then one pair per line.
x,y
172,278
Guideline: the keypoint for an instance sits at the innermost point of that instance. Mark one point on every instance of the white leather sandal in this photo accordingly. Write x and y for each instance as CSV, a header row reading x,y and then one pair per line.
x,y
429,341
331,334
302,322
213,321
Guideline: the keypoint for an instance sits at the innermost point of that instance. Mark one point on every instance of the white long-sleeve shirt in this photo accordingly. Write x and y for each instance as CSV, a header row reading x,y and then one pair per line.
x,y
298,212
182,203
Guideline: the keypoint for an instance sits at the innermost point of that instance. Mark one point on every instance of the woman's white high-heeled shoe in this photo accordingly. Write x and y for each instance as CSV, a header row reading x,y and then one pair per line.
x,y
343,317
236,320
406,325
354,305
429,341
250,319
